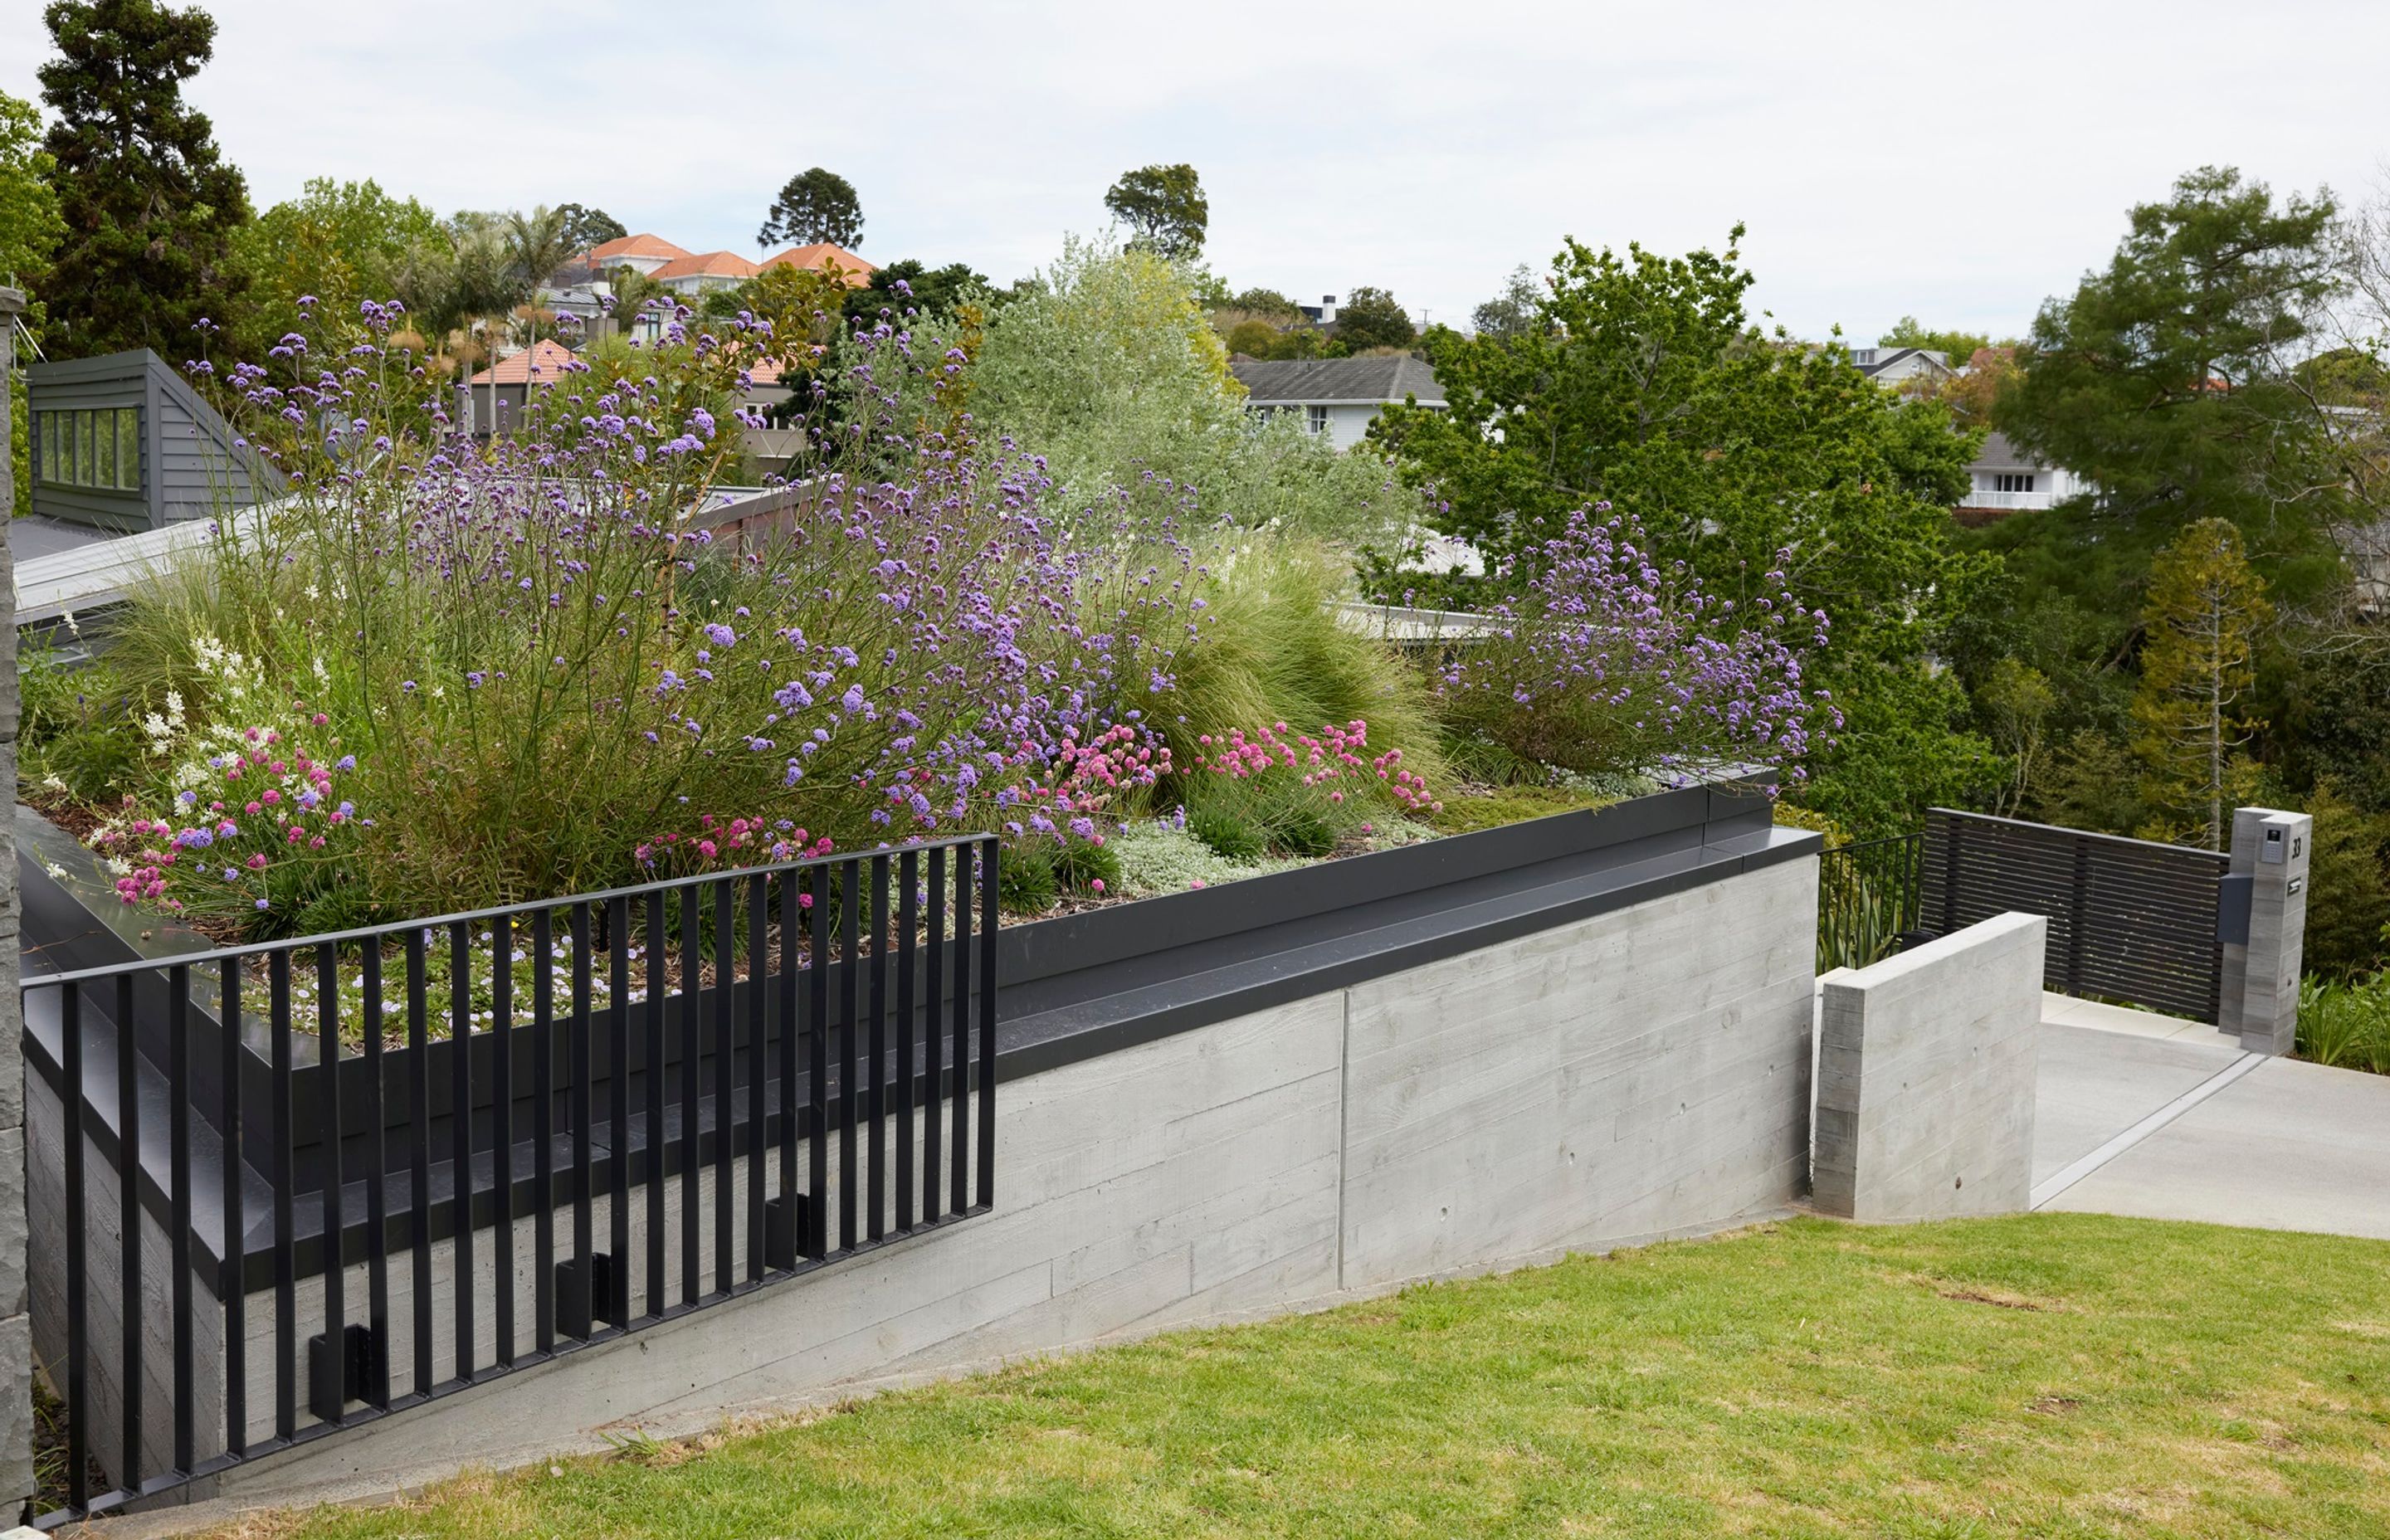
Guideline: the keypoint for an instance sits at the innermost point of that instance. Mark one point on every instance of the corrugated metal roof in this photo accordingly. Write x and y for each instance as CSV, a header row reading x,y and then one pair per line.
x,y
1338,382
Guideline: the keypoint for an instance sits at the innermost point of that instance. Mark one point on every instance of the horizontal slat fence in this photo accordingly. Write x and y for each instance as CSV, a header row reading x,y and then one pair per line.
x,y
2130,919
307,1210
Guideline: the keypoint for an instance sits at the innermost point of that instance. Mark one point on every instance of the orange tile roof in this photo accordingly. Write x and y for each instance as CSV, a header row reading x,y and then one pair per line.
x,y
820,254
637,245
548,357
723,264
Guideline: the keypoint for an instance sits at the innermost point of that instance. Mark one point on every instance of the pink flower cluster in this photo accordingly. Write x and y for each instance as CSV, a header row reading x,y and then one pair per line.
x,y
726,846
1085,780
264,805
1335,754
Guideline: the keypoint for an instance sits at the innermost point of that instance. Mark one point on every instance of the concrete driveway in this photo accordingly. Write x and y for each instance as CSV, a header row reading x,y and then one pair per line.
x,y
2159,1118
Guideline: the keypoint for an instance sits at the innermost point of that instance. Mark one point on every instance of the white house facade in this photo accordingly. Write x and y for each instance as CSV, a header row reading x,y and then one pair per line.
x,y
1337,398
2007,480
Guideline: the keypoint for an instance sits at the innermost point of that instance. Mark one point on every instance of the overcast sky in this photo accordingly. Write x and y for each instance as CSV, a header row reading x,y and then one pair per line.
x,y
1957,164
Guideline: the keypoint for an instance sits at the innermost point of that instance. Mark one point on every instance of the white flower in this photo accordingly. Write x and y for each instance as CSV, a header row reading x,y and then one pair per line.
x,y
58,873
51,782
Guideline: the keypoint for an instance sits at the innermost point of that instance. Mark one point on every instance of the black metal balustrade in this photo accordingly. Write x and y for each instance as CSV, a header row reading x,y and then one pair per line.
x,y
250,1138
1867,900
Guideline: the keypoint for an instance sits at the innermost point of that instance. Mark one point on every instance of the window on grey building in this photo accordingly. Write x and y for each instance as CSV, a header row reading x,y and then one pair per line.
x,y
92,447
1316,417
2005,481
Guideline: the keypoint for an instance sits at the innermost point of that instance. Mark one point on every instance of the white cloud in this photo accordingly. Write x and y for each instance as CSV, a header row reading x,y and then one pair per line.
x,y
1888,158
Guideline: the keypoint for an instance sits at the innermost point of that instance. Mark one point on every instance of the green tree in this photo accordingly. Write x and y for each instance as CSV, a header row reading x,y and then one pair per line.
x,y
2016,703
2165,378
148,203
931,290
1265,304
2198,665
1515,309
344,243
1958,346
29,232
1373,318
2348,885
1106,364
1643,382
1165,209
813,205
585,228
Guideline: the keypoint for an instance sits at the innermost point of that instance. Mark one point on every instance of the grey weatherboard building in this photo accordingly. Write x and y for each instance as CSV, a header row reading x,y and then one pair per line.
x,y
122,443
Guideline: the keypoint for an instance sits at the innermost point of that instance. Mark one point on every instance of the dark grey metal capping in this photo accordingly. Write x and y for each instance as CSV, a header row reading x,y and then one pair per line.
x,y
1083,986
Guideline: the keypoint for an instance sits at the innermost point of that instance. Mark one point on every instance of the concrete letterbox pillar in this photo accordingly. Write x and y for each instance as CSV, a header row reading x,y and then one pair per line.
x,y
2260,1001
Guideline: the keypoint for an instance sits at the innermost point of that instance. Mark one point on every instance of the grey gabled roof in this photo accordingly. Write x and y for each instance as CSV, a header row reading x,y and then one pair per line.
x,y
1999,454
1338,382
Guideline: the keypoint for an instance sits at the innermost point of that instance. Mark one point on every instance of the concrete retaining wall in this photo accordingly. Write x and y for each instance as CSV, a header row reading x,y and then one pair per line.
x,y
1925,1077
1640,1074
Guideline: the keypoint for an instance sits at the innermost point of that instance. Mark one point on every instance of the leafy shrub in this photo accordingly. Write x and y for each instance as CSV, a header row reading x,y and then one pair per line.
x,y
1108,365
1609,663
2345,1025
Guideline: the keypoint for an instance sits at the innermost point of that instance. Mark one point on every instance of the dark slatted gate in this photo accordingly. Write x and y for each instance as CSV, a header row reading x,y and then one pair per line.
x,y
2130,919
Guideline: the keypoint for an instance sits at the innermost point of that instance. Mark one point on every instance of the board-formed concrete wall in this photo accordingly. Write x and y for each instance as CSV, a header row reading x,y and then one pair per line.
x,y
1925,1077
1639,1073
16,1320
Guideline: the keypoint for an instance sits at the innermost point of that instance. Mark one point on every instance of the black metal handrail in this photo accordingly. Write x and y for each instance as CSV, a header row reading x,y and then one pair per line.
x,y
807,1039
1867,900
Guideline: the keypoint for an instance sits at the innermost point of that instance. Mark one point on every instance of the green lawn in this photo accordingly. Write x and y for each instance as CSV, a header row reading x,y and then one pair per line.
x,y
2049,1376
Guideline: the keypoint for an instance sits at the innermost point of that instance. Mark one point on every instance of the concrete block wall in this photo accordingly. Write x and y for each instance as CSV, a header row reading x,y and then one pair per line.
x,y
1925,1077
1635,1074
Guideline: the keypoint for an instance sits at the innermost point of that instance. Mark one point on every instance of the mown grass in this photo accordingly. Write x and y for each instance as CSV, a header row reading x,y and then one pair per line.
x,y
2049,1375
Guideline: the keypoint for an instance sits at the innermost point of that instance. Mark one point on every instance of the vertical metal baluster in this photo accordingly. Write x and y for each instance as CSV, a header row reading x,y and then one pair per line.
x,y
788,983
849,902
875,1076
502,1138
618,1053
78,1234
659,947
543,1130
579,1056
692,1031
725,1078
908,883
933,1038
759,1030
419,1109
179,1091
327,1078
236,1249
460,1135
987,901
286,1272
128,1200
958,1197
376,1389
818,887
